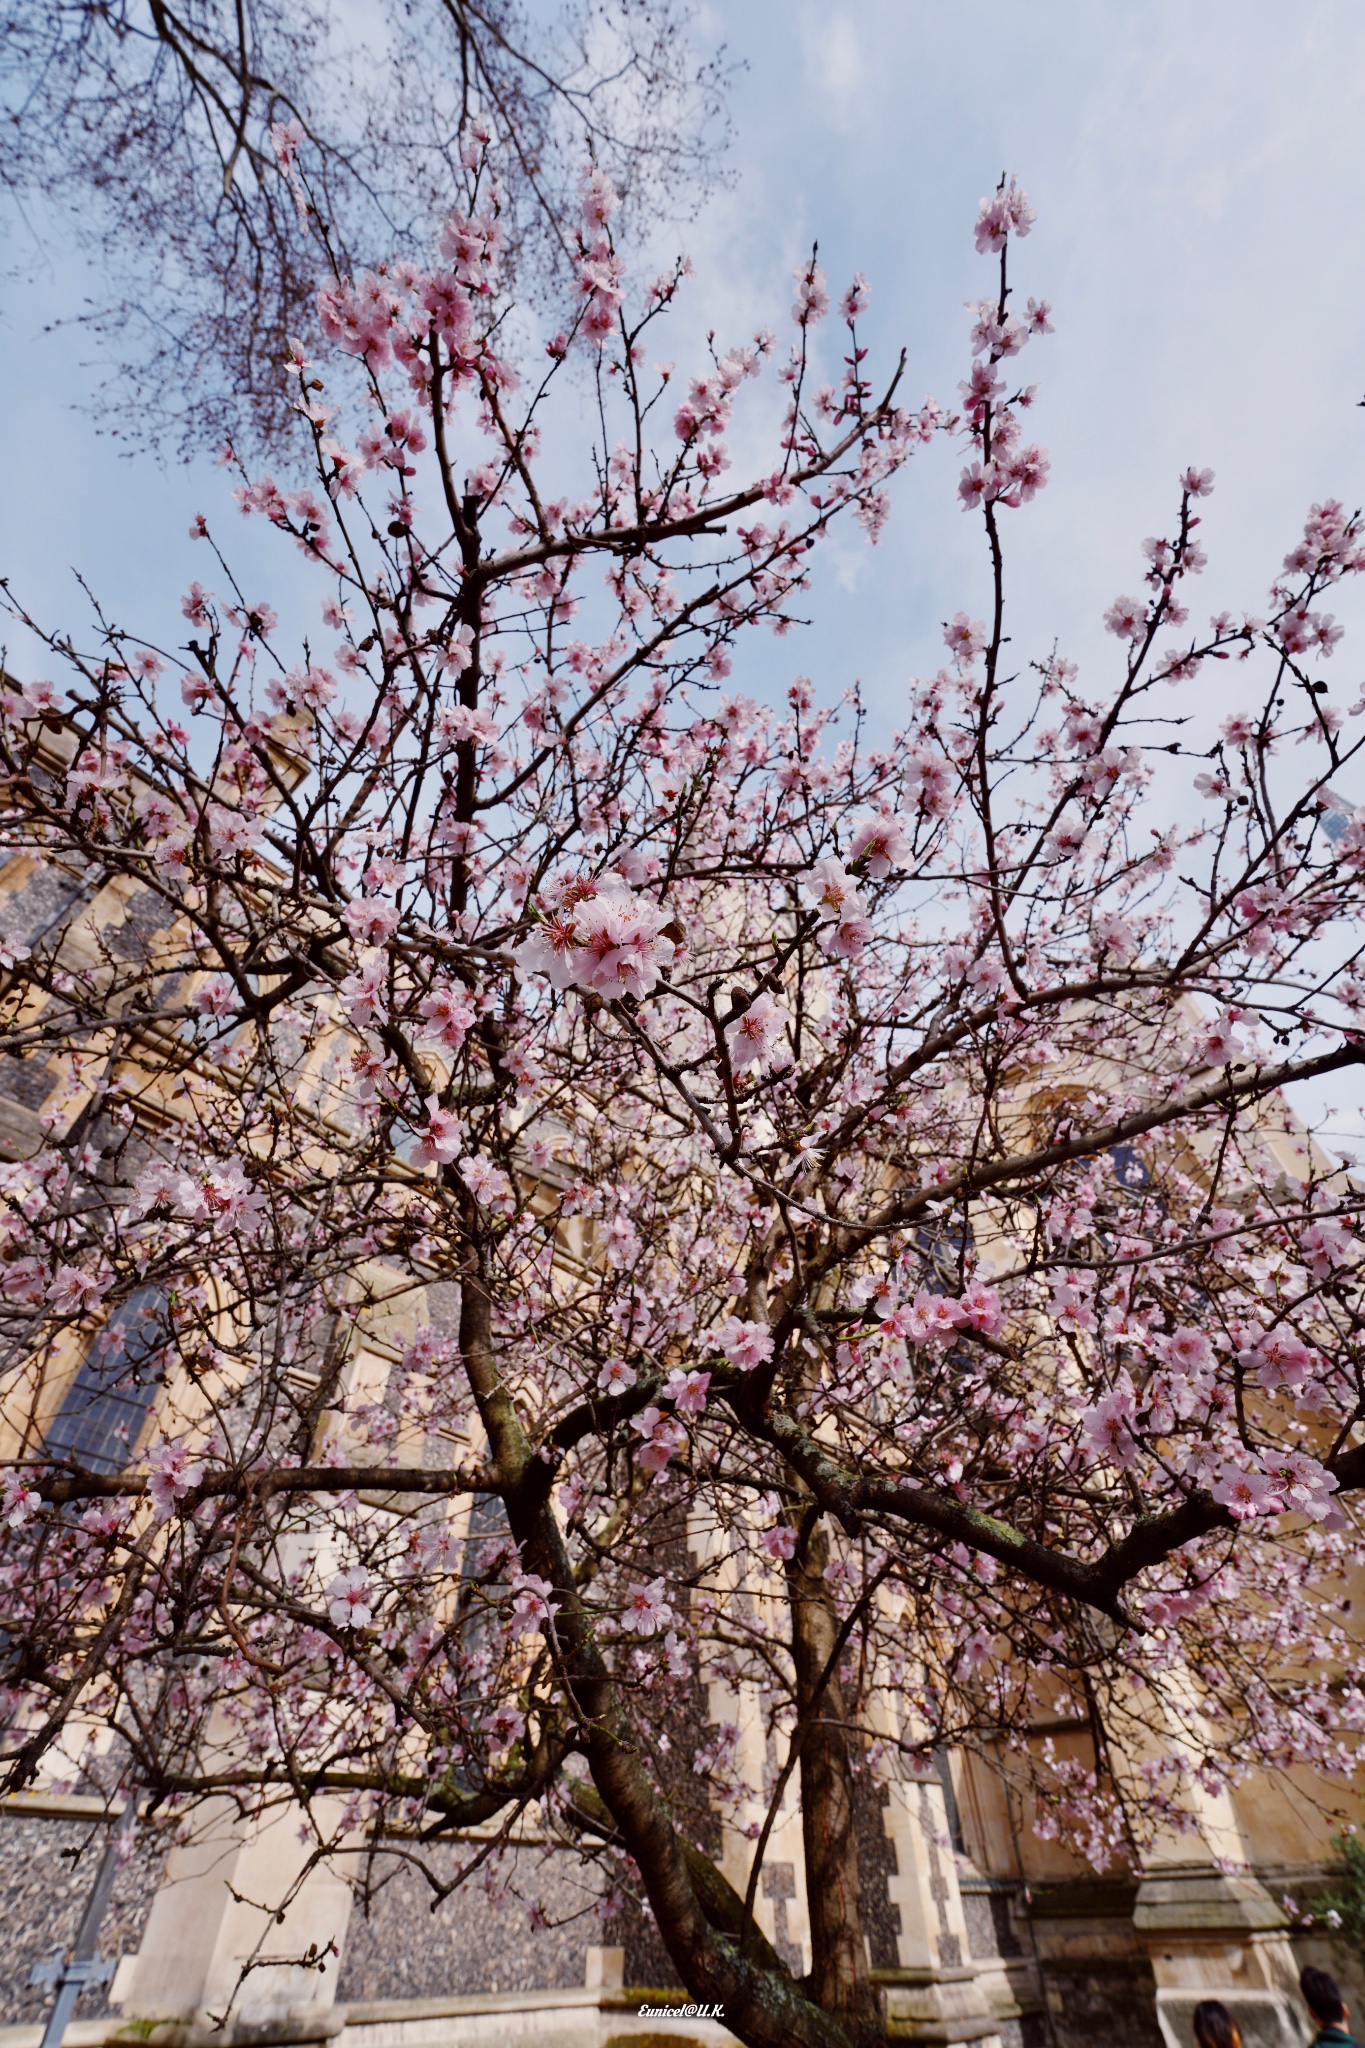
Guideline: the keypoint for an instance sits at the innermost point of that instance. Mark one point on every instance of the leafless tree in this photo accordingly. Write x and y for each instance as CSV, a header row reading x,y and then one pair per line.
x,y
146,127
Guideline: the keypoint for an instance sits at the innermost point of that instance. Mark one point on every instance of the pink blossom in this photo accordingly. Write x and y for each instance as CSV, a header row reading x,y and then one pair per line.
x,y
1187,1350
744,1344
286,139
218,1190
362,993
370,922
231,832
40,696
881,843
92,773
614,943
779,1542
1304,631
1325,1245
964,637
1243,1492
1071,1307
647,1609
854,302
1240,730
448,1019
616,1376
1282,1359
1115,936
600,197
1004,212
753,1035
687,1391
932,1319
18,1503
157,1183
313,688
1303,1485
599,280
622,950
504,1726
23,1279
455,657
462,724
215,997
156,814
929,782
972,1651
977,485
620,1241
980,1308
833,890
172,1472
1127,617
487,1183
1025,472
531,1602
846,939
527,1073
441,1136
1068,838
75,1292
664,1436
1219,1044
1107,1425
351,1600
812,299
550,950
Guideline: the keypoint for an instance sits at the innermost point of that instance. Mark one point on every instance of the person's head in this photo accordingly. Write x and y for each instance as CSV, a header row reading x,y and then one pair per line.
x,y
1322,1996
1214,2026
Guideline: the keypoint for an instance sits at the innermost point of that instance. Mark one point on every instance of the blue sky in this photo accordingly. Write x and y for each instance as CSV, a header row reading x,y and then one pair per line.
x,y
1199,175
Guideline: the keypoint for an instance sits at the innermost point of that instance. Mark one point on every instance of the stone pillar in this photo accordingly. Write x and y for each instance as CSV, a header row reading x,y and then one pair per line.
x,y
780,1907
936,1995
759,1754
211,1915
604,1969
1213,1931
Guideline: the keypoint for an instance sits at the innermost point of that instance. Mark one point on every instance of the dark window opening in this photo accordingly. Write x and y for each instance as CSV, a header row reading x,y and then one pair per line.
x,y
106,1405
943,1243
943,1765
1130,1169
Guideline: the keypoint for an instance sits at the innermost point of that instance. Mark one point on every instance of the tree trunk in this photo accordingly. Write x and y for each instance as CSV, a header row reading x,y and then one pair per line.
x,y
840,1979
764,2006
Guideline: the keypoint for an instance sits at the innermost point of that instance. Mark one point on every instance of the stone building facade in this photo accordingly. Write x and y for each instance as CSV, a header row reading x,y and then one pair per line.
x,y
967,1949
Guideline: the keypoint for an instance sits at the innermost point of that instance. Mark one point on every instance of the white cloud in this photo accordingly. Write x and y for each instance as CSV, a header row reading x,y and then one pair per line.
x,y
833,49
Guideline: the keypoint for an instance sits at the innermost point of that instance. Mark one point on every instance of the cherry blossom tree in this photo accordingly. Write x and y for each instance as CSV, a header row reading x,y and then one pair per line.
x,y
855,1244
